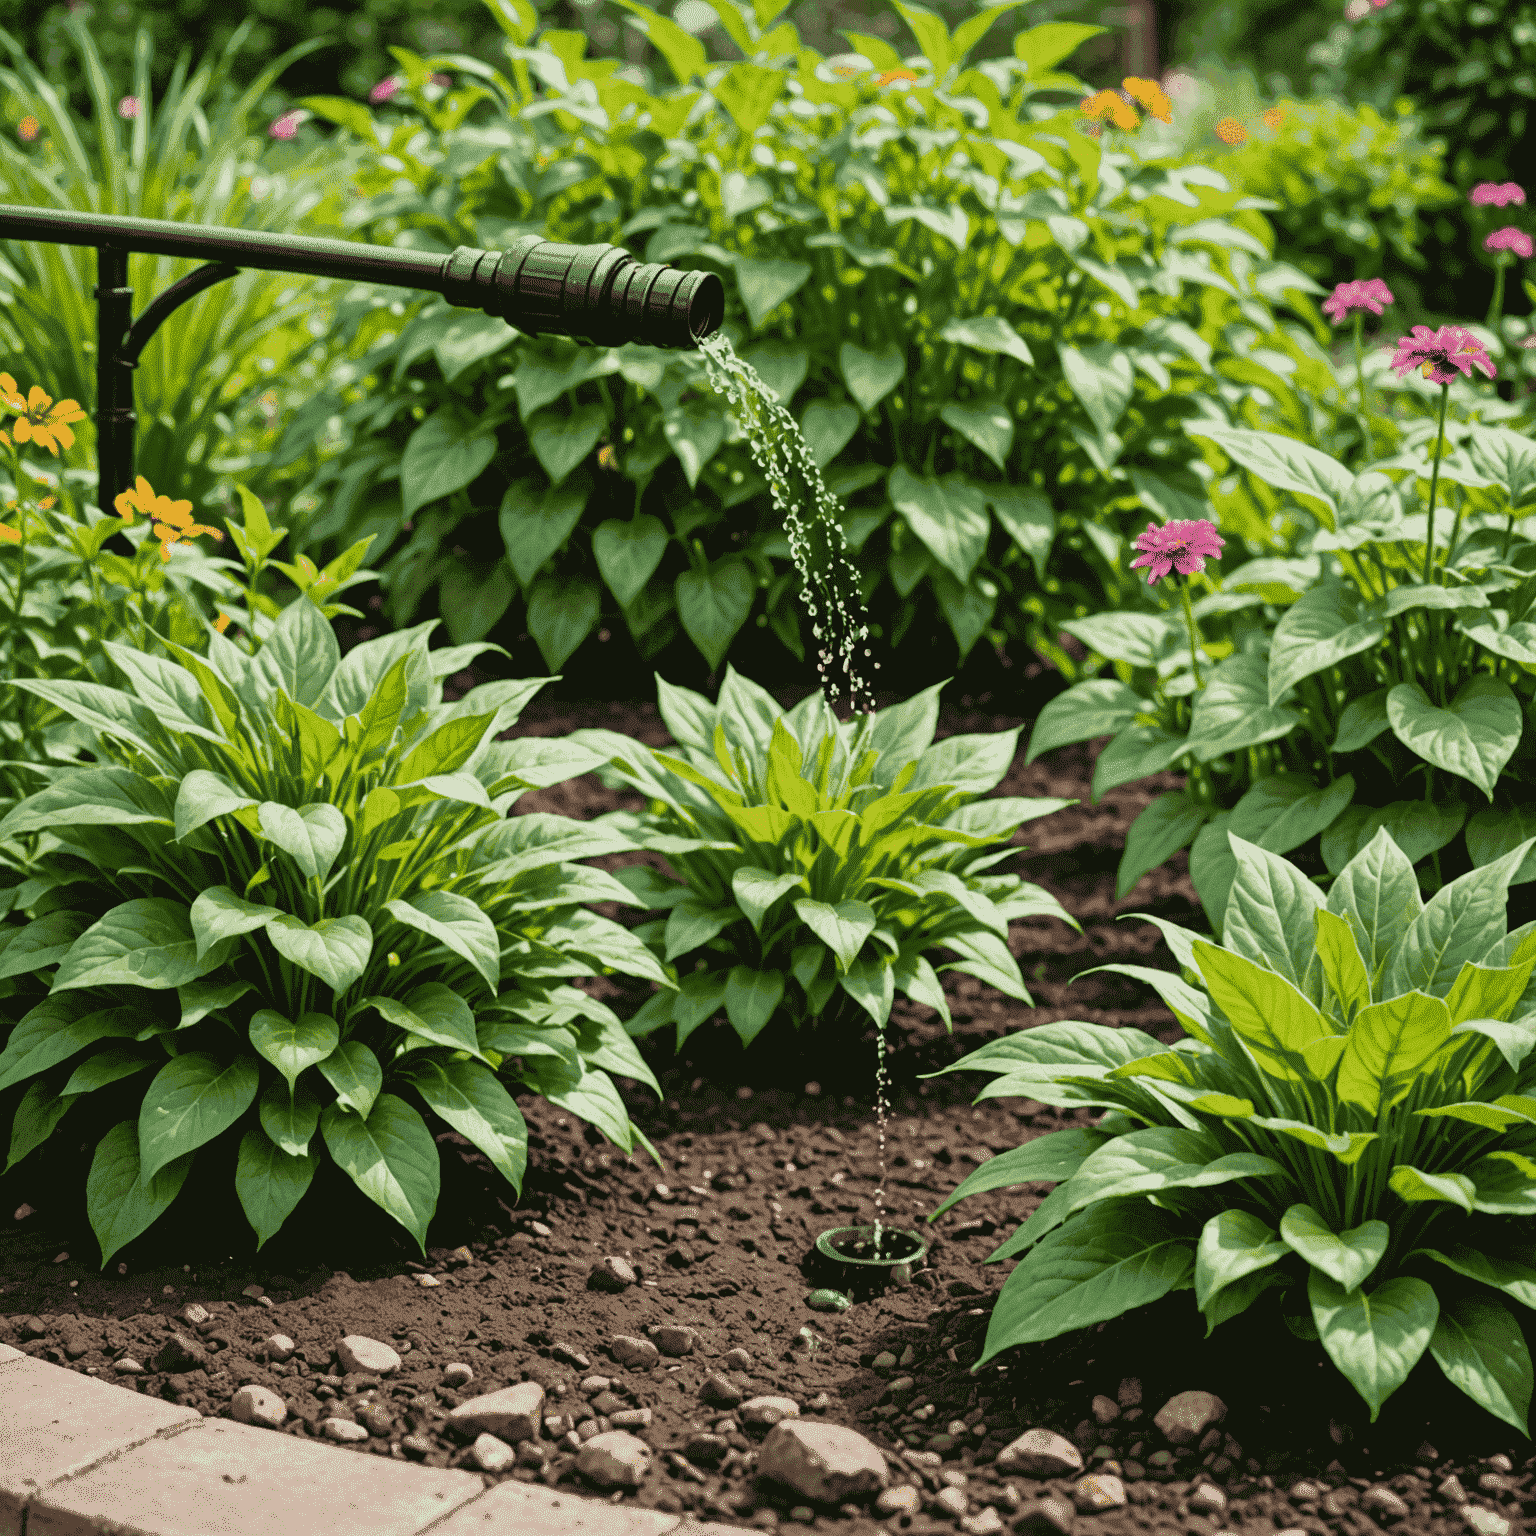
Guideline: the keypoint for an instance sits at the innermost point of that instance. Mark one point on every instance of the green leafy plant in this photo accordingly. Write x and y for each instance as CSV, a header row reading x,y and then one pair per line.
x,y
194,156
988,326
1350,1125
292,874
831,855
1379,675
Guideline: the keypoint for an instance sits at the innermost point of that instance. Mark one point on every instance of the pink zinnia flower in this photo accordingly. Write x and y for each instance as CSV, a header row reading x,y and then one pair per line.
x,y
1177,546
128,107
1509,239
287,125
385,89
1497,193
1363,293
1442,354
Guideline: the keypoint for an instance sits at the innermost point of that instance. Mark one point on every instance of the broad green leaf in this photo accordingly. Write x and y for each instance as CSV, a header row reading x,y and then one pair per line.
x,y
290,1117
1377,894
391,1157
147,942
1347,1258
202,796
827,429
475,1103
443,455
536,519
1089,710
1362,721
763,284
336,949
1326,626
219,914
751,996
756,890
1103,380
457,922
713,604
871,983
1390,1044
693,922
1049,1159
843,927
269,1183
1234,710
118,1203
1233,1244
561,614
1213,868
1137,638
701,994
299,655
1169,823
1342,963
1276,1021
1375,1338
1137,751
1281,462
628,553
1158,1158
871,376
1473,739
1116,1256
311,834
1479,1346
293,1047
1418,827
192,1098
948,514
432,1014
104,797
1285,810
917,978
1029,519
473,598
354,1072
1269,917
987,333
43,942
1492,833
200,998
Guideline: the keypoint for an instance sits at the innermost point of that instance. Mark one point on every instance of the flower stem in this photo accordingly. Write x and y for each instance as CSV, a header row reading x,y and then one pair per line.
x,y
1496,305
1194,634
1434,484
1360,378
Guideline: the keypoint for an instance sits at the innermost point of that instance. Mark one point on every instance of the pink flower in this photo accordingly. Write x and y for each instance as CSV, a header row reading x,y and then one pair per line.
x,y
1367,293
1177,546
287,125
128,107
385,89
1509,239
1443,353
1497,193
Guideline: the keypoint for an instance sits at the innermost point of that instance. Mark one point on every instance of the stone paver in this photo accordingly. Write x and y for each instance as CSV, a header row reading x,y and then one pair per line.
x,y
84,1457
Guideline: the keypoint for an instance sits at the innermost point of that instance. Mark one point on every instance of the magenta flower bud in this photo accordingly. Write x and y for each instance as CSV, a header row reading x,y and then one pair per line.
x,y
385,89
287,125
128,107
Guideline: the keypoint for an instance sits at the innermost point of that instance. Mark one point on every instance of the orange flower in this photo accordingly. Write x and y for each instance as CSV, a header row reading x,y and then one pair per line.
x,y
1112,105
171,520
9,535
223,623
1274,117
39,420
607,457
26,129
894,74
1230,131
1151,95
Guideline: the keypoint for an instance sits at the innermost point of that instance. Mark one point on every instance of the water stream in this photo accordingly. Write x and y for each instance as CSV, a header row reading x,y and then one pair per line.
x,y
820,555
825,572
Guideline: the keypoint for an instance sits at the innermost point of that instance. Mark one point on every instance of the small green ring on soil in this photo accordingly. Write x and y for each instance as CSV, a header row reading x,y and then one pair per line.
x,y
914,1245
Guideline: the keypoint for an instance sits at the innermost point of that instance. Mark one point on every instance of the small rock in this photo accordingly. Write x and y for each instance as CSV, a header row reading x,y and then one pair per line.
x,y
257,1405
636,1354
491,1454
511,1414
594,1384
1384,1504
616,1459
706,1450
1484,1522
884,1361
416,1446
128,1366
903,1499
1450,1490
1099,1490
824,1462
986,1522
720,1391
767,1410
426,1281
194,1314
181,1353
570,1354
344,1430
1040,1452
1046,1517
255,1292
671,1338
1208,1499
737,1360
278,1347
951,1501
1128,1394
359,1353
612,1274
1105,1411
630,1418
457,1375
1185,1417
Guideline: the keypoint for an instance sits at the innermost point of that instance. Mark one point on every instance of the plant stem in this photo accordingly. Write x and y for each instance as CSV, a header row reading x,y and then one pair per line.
x,y
1434,484
1194,634
1496,305
1360,386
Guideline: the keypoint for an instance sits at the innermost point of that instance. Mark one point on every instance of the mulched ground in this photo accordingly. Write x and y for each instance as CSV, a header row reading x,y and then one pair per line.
x,y
763,1150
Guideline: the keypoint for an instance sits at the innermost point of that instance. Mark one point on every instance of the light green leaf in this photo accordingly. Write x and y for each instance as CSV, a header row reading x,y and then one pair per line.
x,y
1233,1244
988,333
336,949
1281,462
1374,1338
628,553
562,612
1327,625
1418,827
1234,710
1269,917
143,943
756,890
1137,638
220,914
751,996
118,1203
536,519
1169,823
354,1072
561,437
457,922
1284,811
1362,721
871,376
763,285
1136,752
1491,834
1029,519
843,927
949,515
827,429
1377,894
1473,739
191,1099
1102,707
988,425
443,455
477,1105
1103,380
1479,1346
1347,1258
312,834
293,1047
96,797
391,1157
714,603
269,1183
202,796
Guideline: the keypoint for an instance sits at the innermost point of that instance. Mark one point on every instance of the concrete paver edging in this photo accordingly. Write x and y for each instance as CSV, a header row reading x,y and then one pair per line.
x,y
82,1457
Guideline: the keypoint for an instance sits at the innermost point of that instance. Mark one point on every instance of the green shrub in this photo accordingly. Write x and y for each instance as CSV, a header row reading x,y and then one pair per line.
x,y
833,855
989,337
1284,1147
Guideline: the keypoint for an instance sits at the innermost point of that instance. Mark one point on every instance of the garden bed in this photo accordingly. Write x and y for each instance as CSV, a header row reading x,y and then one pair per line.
x,y
762,1150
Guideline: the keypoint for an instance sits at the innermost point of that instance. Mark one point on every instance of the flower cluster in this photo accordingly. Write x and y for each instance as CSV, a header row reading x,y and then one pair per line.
x,y
1120,106
1369,293
39,420
170,520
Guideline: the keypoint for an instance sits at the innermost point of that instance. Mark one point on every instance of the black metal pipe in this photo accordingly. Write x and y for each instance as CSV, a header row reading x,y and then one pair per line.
x,y
592,293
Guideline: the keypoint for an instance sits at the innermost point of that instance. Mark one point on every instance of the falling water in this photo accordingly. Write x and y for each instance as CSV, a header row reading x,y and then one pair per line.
x,y
757,408
882,1109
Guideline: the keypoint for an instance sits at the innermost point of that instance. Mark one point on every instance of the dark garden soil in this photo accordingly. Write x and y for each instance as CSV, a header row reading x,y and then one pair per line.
x,y
763,1150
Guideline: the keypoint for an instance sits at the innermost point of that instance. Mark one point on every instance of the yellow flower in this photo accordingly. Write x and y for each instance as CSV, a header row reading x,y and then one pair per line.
x,y
223,623
171,521
1151,95
607,457
888,75
1230,131
1111,104
1274,117
39,420
27,128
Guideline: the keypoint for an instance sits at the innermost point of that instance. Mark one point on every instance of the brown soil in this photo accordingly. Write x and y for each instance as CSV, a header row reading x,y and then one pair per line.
x,y
763,1150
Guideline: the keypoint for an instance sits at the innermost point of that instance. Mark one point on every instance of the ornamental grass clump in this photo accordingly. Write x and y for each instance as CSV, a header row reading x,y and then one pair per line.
x,y
286,907
1348,1126
828,855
